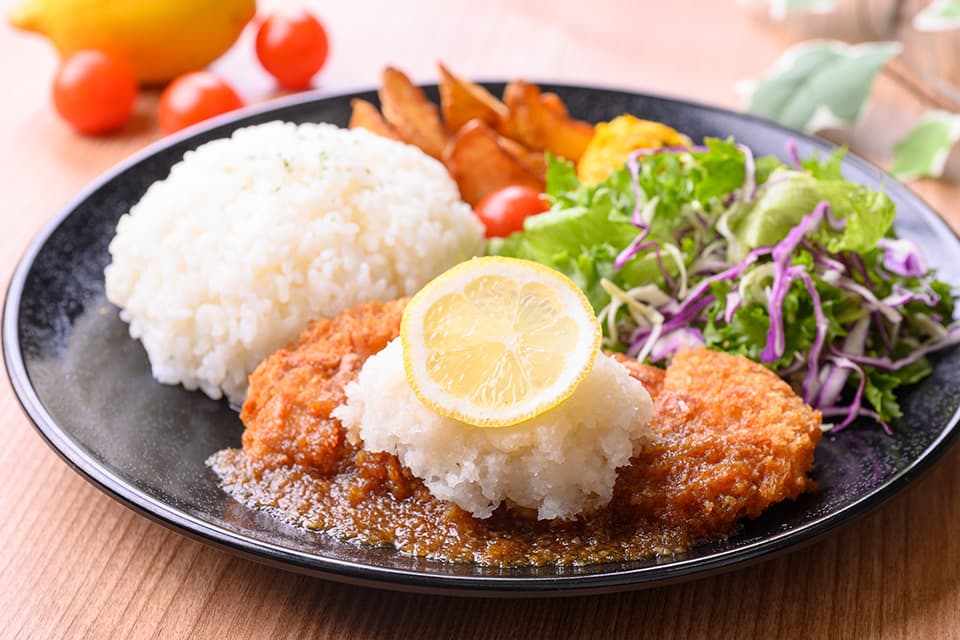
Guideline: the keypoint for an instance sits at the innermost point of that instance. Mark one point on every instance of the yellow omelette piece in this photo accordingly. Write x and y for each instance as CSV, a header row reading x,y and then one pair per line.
x,y
614,141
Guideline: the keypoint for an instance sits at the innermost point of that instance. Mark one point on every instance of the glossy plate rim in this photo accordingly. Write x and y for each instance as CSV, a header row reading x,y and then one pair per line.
x,y
671,572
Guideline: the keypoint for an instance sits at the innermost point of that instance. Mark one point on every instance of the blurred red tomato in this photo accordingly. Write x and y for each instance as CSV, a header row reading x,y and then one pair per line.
x,y
194,97
94,91
503,211
292,46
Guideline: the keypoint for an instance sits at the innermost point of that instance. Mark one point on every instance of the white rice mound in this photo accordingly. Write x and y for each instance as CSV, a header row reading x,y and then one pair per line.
x,y
561,463
251,237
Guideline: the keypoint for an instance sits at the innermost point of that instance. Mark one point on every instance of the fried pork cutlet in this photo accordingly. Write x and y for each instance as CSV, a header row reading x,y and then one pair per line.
x,y
730,439
291,393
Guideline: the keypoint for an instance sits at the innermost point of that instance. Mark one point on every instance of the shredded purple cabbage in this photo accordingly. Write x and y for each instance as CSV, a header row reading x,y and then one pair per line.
x,y
677,340
901,256
835,377
872,302
901,296
861,412
951,338
793,154
636,218
783,277
854,262
857,404
632,249
827,370
811,382
634,167
733,302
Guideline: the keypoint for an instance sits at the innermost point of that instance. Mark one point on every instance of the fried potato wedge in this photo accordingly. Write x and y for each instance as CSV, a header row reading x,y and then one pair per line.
x,y
553,102
539,127
462,101
366,116
407,110
480,164
532,160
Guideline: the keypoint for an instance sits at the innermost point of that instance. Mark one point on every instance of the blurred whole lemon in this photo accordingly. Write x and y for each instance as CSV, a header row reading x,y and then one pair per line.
x,y
160,39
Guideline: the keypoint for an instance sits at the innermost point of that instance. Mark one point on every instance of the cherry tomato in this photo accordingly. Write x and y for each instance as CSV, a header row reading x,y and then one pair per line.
x,y
503,211
292,46
194,97
94,91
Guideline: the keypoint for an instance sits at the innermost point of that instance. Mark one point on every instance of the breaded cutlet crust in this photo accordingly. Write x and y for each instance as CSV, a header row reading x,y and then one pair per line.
x,y
291,393
730,439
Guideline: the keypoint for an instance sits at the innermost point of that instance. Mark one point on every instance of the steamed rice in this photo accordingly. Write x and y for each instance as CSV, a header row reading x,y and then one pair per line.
x,y
560,463
250,237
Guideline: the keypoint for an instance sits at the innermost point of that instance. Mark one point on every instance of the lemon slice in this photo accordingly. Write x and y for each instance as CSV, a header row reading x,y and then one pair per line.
x,y
496,341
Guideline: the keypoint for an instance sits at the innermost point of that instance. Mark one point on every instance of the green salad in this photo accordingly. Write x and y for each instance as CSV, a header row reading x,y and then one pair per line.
x,y
789,265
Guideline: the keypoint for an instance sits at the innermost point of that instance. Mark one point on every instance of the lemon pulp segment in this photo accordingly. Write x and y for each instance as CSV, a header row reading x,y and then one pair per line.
x,y
496,341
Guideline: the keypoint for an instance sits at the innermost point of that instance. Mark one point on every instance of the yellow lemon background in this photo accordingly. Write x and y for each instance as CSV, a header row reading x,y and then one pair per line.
x,y
161,39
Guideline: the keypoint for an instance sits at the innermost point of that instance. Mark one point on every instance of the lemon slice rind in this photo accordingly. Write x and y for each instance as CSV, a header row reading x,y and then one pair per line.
x,y
578,362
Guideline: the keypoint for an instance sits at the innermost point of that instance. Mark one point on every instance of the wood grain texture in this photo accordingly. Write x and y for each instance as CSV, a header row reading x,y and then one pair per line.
x,y
77,564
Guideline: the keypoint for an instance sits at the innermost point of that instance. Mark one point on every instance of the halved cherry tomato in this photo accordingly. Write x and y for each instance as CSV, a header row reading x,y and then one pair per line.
x,y
94,91
292,46
503,211
194,97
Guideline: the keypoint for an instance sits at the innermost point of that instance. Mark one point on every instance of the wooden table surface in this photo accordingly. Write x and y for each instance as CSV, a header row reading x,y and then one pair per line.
x,y
77,564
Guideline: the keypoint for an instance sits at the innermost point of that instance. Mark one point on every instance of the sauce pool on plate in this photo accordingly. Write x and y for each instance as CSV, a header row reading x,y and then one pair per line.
x,y
729,438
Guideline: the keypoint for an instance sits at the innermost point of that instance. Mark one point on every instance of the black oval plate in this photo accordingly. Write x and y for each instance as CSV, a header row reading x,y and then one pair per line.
x,y
87,386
